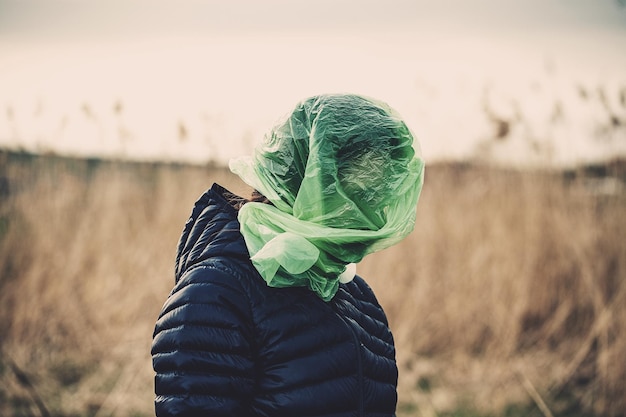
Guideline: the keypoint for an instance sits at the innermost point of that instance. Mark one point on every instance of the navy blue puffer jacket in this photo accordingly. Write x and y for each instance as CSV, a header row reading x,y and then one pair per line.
x,y
226,344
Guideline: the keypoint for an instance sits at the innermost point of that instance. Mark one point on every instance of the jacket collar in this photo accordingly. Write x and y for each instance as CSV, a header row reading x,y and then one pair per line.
x,y
212,230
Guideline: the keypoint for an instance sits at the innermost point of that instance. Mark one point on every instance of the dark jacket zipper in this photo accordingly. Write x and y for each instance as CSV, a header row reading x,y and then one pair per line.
x,y
357,344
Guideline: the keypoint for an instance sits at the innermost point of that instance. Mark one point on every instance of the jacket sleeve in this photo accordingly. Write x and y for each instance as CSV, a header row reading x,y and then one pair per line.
x,y
202,347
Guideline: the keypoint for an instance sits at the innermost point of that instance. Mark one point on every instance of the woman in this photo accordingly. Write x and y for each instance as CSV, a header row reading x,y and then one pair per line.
x,y
267,317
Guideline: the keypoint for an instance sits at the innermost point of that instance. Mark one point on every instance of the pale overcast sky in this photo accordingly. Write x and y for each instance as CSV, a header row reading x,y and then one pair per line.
x,y
76,18
227,68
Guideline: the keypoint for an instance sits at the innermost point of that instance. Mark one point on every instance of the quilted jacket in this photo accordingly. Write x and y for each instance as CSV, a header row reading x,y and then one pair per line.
x,y
226,344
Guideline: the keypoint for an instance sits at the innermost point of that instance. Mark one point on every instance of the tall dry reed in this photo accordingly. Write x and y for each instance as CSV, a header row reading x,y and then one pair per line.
x,y
510,290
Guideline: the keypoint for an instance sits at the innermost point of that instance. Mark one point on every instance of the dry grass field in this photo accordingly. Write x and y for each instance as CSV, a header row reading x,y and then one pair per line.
x,y
509,299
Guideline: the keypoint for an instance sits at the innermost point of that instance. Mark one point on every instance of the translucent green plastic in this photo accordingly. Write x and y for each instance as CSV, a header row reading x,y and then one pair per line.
x,y
344,175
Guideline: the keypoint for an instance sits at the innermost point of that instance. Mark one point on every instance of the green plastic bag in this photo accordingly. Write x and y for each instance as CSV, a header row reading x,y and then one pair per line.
x,y
344,175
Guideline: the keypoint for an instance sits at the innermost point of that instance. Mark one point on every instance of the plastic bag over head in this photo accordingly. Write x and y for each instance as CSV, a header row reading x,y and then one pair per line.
x,y
344,175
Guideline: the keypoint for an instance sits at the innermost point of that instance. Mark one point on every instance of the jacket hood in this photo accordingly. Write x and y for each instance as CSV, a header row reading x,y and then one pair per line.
x,y
211,230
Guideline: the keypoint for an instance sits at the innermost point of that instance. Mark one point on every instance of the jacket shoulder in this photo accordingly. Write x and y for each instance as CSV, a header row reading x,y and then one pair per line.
x,y
210,284
203,345
363,295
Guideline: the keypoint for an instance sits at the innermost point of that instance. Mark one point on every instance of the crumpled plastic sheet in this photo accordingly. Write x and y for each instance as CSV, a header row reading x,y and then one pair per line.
x,y
344,174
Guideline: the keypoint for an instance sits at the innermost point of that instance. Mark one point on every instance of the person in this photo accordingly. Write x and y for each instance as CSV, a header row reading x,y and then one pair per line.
x,y
267,316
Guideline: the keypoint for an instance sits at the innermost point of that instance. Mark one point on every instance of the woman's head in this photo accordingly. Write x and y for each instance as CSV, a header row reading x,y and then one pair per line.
x,y
336,160
344,178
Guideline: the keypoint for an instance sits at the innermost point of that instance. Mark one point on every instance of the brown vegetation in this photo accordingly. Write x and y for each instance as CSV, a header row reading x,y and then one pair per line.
x,y
510,293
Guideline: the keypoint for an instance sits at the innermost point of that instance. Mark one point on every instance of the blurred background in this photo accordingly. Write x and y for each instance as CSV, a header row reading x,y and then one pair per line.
x,y
508,299
203,80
